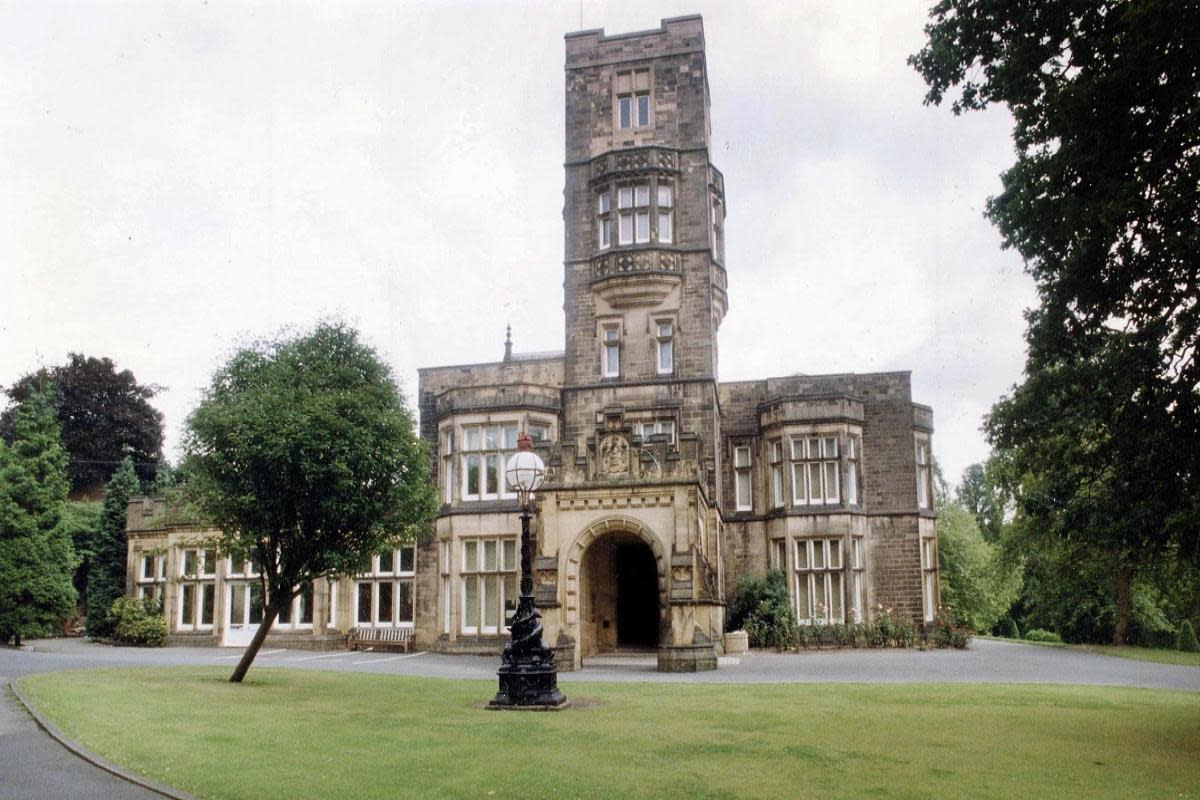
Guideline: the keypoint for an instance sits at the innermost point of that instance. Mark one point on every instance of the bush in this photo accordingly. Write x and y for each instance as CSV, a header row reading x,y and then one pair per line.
x,y
138,622
750,591
1039,635
772,625
1011,631
1186,639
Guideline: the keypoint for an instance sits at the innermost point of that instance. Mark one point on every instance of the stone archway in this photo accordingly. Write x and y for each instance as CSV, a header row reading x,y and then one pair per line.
x,y
616,586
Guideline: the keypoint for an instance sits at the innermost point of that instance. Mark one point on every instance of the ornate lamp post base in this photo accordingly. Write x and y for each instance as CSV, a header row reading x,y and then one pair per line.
x,y
533,689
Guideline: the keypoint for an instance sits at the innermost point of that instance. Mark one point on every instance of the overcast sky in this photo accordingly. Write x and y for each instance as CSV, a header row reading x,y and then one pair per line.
x,y
176,178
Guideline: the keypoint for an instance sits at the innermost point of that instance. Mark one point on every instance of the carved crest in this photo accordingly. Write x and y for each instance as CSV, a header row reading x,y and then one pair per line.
x,y
614,454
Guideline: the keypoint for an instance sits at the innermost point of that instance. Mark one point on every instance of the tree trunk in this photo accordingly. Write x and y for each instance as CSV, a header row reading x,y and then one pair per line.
x,y
1124,603
239,672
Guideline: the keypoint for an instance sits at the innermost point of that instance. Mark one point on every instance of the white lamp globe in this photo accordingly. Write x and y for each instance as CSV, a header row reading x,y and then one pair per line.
x,y
525,471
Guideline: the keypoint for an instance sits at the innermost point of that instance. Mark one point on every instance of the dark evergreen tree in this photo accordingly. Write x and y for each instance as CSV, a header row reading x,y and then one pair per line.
x,y
106,577
105,416
36,557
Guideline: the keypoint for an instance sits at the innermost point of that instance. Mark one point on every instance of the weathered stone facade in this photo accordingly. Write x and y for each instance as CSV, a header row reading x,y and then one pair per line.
x,y
643,526
663,484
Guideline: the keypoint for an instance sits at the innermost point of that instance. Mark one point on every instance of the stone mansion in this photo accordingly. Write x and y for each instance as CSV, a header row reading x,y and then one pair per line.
x,y
664,484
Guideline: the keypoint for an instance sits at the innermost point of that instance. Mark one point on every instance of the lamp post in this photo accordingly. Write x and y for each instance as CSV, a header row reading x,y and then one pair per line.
x,y
528,675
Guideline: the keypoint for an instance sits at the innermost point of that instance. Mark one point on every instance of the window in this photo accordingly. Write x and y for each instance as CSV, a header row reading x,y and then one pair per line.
x,y
665,217
485,449
633,99
853,476
815,470
777,473
151,577
197,589
665,346
929,577
539,431
779,554
444,565
819,580
741,478
489,585
610,353
331,596
924,474
448,465
633,214
604,220
655,428
299,612
858,600
718,240
384,596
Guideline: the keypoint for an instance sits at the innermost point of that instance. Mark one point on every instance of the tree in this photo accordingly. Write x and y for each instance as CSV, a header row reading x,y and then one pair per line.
x,y
1101,204
105,416
303,453
976,581
36,558
981,493
81,522
106,576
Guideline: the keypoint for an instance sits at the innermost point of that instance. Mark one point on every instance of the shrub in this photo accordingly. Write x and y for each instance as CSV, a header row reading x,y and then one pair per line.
x,y
1039,635
1186,639
772,625
1011,630
752,590
138,622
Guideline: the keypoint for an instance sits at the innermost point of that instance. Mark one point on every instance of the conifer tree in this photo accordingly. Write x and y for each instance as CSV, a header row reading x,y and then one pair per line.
x,y
106,577
36,557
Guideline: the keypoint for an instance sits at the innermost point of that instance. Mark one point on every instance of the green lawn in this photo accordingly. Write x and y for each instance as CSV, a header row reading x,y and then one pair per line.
x,y
299,733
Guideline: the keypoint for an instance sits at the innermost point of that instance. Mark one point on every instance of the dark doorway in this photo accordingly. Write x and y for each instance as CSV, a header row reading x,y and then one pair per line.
x,y
637,596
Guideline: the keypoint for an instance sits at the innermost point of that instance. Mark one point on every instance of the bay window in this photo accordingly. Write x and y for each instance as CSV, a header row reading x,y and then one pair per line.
x,y
815,470
604,220
485,449
777,473
853,475
489,584
383,596
819,580
924,473
663,209
929,578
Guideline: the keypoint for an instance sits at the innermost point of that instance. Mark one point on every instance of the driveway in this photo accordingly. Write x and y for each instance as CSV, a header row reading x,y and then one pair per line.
x,y
988,661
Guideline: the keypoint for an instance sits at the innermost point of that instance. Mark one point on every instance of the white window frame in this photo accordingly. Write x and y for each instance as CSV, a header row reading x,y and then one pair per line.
x,y
475,458
604,220
815,455
853,470
743,495
293,621
610,350
777,461
924,472
929,571
858,599
664,228
632,92
779,554
393,575
151,586
447,435
812,573
507,580
655,427
664,346
197,583
331,598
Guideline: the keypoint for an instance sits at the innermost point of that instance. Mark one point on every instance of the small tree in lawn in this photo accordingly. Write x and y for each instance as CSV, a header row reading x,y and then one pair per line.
x,y
106,575
303,453
37,560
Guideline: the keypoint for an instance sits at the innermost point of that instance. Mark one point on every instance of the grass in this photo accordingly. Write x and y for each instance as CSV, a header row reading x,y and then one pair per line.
x,y
1157,655
301,733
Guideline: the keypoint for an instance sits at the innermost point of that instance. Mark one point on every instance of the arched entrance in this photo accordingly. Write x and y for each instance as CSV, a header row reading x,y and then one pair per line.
x,y
619,597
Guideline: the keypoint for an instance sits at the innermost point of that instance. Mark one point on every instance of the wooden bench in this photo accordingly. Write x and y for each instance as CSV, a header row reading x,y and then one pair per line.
x,y
380,639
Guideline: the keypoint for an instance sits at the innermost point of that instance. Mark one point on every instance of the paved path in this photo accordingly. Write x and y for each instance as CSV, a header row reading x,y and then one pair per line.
x,y
35,767
987,661
46,770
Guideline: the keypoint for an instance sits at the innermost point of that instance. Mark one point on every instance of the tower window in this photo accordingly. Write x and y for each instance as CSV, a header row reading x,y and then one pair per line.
x,y
633,212
604,220
611,352
633,99
665,344
665,204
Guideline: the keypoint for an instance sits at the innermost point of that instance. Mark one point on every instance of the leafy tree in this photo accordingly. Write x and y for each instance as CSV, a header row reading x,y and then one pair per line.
x,y
105,416
36,558
81,521
304,455
1101,204
106,577
981,493
976,581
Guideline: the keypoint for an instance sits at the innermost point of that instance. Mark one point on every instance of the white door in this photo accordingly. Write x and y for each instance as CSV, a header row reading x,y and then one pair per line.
x,y
243,612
